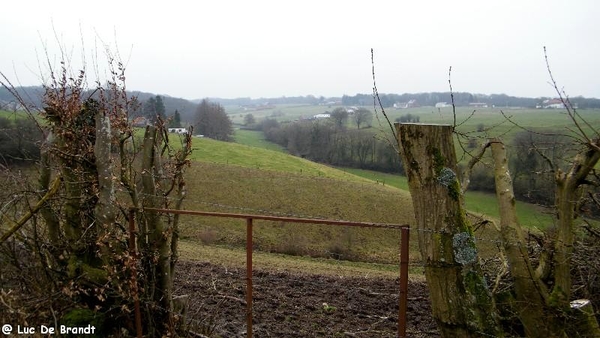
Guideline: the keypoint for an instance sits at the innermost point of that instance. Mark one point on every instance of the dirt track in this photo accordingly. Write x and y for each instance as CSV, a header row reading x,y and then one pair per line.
x,y
295,305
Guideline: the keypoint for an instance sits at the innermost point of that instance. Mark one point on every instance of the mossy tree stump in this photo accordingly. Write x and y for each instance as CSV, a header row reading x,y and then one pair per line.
x,y
461,301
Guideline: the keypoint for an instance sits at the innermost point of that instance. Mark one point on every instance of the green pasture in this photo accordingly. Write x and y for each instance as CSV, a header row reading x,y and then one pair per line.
x,y
281,113
530,215
500,122
255,139
497,121
13,115
211,151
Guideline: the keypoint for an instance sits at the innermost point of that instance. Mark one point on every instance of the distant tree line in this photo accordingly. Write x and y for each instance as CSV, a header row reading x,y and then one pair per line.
x,y
247,101
186,108
462,99
326,141
33,97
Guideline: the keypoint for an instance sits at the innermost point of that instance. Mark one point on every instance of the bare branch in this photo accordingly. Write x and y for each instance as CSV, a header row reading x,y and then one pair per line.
x,y
32,211
377,99
452,98
474,160
571,111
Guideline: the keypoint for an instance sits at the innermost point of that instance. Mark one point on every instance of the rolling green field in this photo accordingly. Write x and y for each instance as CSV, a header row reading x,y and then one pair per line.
x,y
237,189
211,151
256,139
12,115
281,113
478,203
467,118
230,177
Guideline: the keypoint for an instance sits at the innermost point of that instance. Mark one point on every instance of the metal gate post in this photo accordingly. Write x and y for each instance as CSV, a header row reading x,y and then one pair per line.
x,y
403,297
249,277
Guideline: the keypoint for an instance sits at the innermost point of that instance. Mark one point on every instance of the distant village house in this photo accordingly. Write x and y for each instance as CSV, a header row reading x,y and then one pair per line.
x,y
406,105
178,130
551,104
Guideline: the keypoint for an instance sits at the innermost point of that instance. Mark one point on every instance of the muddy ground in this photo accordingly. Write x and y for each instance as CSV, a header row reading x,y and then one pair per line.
x,y
296,305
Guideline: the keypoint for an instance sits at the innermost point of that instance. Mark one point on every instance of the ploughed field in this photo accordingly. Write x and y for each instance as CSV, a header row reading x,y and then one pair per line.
x,y
291,304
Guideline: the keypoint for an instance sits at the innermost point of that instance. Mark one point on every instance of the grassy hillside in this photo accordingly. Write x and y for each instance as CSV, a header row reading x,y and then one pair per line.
x,y
211,151
255,139
530,215
13,115
226,188
230,177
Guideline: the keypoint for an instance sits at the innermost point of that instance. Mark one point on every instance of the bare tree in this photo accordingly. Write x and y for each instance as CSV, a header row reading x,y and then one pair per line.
x,y
339,116
362,116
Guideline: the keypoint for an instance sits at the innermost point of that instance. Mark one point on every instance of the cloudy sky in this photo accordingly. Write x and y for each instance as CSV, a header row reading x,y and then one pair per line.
x,y
264,48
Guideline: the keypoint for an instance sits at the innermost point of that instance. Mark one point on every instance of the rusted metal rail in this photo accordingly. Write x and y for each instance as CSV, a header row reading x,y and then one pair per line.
x,y
403,296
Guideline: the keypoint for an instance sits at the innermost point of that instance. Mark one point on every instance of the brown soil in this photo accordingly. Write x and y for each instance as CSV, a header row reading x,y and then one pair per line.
x,y
296,305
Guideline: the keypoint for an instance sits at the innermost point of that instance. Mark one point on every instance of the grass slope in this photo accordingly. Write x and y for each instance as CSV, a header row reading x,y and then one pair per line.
x,y
530,215
229,177
226,188
255,138
211,151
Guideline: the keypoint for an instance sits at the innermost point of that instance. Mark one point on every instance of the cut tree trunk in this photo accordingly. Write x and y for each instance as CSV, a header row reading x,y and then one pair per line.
x,y
461,301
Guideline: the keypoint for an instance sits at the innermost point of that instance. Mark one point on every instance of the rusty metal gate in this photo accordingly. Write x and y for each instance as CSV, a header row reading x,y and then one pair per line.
x,y
403,297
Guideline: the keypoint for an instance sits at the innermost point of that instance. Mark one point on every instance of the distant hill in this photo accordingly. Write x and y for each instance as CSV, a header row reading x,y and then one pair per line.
x,y
33,97
185,107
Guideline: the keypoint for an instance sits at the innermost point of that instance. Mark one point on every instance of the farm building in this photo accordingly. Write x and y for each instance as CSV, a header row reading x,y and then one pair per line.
x,y
552,104
178,130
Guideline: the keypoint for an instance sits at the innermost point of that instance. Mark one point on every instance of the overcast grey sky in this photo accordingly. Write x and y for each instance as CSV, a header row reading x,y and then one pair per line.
x,y
267,48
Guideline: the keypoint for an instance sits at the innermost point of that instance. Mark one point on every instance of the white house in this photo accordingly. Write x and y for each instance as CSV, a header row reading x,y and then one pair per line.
x,y
178,130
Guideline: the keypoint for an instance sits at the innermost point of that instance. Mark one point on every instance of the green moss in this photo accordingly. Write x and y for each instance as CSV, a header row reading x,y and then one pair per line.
x,y
83,318
439,161
454,190
476,285
76,268
557,297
